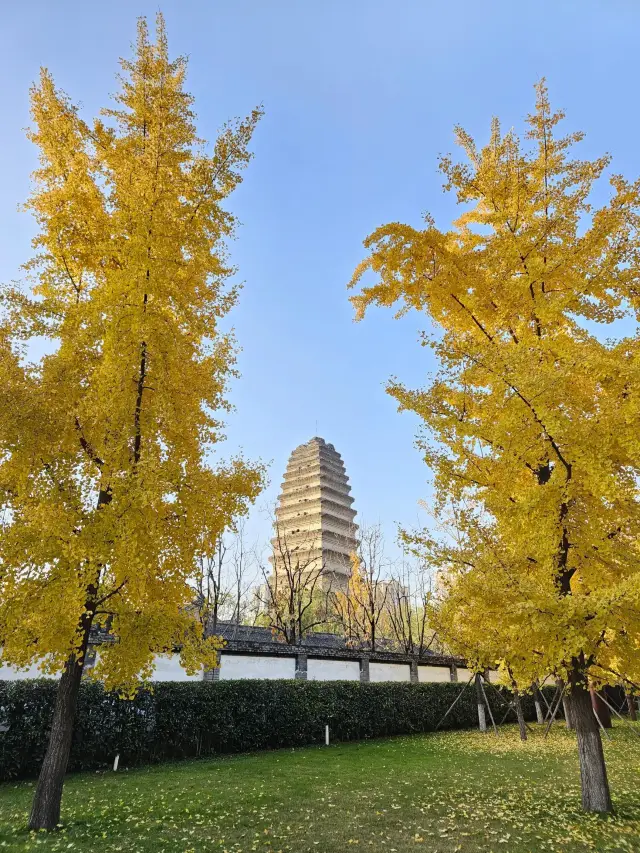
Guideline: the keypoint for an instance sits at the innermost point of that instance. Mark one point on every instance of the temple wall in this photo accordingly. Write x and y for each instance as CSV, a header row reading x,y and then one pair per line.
x,y
169,668
266,658
256,666
319,669
464,674
10,673
389,671
433,673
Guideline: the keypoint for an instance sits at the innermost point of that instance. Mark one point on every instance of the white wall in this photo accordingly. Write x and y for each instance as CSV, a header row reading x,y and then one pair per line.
x,y
256,666
332,670
434,673
464,674
10,673
389,671
494,676
169,668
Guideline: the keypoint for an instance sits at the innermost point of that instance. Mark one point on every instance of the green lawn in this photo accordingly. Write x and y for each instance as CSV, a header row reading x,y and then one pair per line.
x,y
451,791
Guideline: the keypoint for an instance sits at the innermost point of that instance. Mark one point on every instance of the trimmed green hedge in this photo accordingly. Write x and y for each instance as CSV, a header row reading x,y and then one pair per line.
x,y
191,719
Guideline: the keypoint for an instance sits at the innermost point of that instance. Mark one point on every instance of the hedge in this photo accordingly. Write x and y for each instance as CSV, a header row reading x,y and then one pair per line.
x,y
190,719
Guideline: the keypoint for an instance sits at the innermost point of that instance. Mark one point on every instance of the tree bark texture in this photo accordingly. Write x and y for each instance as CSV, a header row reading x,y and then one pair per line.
x,y
482,716
45,810
631,706
521,723
537,701
601,710
593,771
568,716
566,705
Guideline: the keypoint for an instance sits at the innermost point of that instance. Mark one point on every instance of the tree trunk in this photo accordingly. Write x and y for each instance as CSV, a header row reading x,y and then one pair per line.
x,y
601,710
593,771
521,723
631,706
568,715
482,717
566,705
538,705
45,810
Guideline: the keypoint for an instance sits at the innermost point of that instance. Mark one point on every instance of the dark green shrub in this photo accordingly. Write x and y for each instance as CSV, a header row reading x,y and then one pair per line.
x,y
190,719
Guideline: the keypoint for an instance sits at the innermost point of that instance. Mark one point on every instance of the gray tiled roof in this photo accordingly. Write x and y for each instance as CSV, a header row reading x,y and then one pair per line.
x,y
231,631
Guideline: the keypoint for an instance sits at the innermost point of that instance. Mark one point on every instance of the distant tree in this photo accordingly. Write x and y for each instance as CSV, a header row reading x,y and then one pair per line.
x,y
105,490
225,579
360,610
243,573
533,417
213,589
294,596
409,595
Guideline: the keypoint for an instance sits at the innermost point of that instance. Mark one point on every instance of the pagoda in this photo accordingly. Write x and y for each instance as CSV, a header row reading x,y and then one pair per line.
x,y
314,515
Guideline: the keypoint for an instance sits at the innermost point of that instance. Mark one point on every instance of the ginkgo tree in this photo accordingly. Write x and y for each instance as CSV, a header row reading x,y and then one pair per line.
x,y
106,489
530,423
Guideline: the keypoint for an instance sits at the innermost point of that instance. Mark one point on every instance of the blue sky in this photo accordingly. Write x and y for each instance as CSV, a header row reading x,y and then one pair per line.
x,y
360,99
